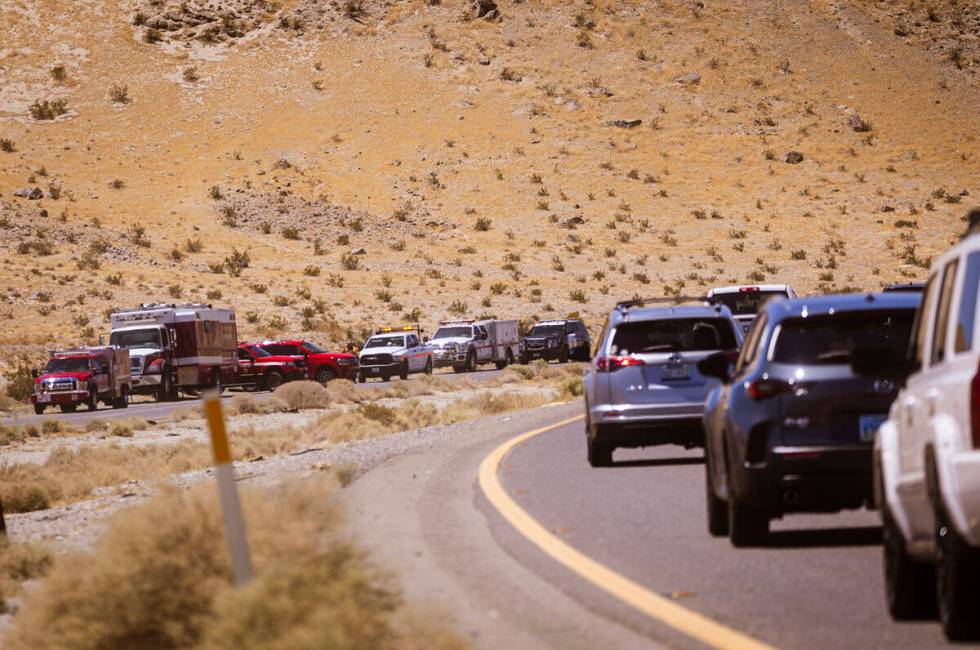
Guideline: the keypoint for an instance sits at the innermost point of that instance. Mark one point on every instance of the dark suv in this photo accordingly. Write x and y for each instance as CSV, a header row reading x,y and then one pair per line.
x,y
791,430
559,340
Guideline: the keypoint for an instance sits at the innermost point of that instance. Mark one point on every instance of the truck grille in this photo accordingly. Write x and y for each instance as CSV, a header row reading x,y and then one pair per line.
x,y
376,360
62,385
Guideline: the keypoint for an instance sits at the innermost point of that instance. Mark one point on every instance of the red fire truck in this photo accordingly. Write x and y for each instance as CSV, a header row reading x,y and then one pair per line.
x,y
86,376
178,347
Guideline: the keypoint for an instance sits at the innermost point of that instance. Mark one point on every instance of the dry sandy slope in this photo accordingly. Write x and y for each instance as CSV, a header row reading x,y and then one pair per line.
x,y
412,108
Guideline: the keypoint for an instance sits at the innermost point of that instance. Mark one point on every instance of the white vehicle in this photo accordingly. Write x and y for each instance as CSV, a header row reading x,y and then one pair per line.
x,y
927,454
177,347
465,344
744,300
395,351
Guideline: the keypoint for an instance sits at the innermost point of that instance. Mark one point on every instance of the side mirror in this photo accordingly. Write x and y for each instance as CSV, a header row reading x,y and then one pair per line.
x,y
425,339
880,363
34,373
715,365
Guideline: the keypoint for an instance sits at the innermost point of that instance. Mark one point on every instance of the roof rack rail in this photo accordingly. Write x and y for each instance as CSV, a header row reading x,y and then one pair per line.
x,y
640,302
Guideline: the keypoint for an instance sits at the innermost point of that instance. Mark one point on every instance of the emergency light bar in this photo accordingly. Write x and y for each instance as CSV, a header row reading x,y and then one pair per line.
x,y
404,328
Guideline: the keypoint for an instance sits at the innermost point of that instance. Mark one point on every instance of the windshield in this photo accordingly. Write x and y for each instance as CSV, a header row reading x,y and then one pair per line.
x,y
385,342
71,364
546,330
745,303
827,340
453,332
148,338
673,335
312,348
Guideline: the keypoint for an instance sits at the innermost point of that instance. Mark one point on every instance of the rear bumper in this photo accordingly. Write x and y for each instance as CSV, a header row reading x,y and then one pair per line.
x,y
629,425
807,479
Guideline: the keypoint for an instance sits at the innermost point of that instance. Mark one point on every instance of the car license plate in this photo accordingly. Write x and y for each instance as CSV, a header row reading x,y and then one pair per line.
x,y
376,371
43,398
868,424
675,373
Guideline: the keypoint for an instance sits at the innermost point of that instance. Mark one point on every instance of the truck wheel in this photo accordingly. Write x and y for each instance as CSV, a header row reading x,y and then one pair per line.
x,y
471,361
167,391
458,368
747,526
92,402
599,453
361,379
563,354
67,408
428,366
508,359
403,373
909,585
325,374
39,408
524,360
717,509
273,380
957,581
122,401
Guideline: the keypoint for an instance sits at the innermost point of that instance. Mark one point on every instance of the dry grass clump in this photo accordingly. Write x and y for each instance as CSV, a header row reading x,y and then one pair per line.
x,y
297,395
19,563
246,404
71,474
312,588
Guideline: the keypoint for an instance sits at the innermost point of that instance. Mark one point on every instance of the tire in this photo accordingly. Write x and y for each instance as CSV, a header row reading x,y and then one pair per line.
x,y
68,408
508,359
600,453
167,391
459,369
471,361
325,375
717,508
523,360
39,408
563,354
428,366
361,379
273,380
403,373
122,401
747,526
92,403
957,582
910,591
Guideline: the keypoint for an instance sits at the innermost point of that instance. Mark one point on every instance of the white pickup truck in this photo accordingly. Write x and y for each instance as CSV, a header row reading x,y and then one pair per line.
x,y
927,454
465,344
394,351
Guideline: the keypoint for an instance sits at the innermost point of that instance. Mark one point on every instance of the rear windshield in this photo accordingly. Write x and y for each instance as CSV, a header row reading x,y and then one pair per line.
x,y
674,335
745,303
827,340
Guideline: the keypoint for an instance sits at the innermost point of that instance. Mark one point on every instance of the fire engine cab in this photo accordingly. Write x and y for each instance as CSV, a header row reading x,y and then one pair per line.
x,y
87,375
177,347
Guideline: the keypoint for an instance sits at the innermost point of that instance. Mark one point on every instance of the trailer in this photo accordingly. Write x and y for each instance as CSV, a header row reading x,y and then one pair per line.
x,y
173,348
83,376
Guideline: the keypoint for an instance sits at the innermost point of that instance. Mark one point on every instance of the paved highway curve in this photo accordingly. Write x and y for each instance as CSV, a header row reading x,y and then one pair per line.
x,y
817,584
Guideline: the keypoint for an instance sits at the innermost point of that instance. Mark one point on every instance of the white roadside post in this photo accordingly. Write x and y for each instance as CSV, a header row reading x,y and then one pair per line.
x,y
231,509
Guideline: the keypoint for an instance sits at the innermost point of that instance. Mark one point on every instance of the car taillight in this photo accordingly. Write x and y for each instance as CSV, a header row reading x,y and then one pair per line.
x,y
975,409
610,364
766,388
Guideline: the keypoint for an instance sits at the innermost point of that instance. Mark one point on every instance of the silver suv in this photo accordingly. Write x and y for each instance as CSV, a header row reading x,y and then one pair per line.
x,y
643,387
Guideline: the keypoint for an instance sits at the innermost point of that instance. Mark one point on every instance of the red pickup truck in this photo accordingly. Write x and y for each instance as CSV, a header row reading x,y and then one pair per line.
x,y
321,365
258,368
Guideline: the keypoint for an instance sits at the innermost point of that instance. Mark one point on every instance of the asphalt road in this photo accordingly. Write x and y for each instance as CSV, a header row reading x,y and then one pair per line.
x,y
150,410
817,584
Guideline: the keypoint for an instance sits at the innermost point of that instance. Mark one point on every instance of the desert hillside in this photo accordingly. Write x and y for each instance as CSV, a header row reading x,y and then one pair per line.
x,y
324,167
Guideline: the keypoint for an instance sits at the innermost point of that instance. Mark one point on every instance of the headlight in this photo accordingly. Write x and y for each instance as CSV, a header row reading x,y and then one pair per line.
x,y
550,343
346,362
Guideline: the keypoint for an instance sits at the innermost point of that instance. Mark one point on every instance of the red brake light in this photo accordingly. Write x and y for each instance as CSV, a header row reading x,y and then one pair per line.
x,y
749,289
975,409
766,388
612,363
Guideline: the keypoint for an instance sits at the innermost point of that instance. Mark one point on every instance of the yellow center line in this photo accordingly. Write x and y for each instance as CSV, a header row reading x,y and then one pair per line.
x,y
663,609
